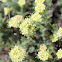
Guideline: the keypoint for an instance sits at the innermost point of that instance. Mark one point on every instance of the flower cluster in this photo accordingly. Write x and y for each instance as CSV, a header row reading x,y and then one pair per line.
x,y
15,21
40,7
17,54
56,36
36,17
3,1
44,54
43,47
59,33
21,2
6,10
59,54
27,27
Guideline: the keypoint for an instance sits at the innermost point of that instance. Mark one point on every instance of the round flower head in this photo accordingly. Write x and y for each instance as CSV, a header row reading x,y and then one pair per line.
x,y
17,54
3,0
36,17
39,7
59,32
39,1
21,2
43,55
6,10
27,27
54,38
59,54
15,21
43,47
18,18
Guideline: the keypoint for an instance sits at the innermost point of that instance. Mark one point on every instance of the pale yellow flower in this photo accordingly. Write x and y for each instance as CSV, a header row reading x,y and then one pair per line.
x,y
43,55
43,47
54,38
59,32
21,2
59,54
27,27
15,21
39,7
6,11
18,18
17,54
36,17
3,1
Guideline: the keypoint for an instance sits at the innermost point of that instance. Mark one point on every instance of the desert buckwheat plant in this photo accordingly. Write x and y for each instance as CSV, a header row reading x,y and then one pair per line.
x,y
30,30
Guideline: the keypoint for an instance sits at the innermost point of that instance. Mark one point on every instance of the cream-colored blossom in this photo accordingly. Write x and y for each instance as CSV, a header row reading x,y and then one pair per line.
x,y
36,17
43,47
17,54
59,54
21,2
39,7
3,1
43,55
6,10
15,21
54,38
27,27
59,32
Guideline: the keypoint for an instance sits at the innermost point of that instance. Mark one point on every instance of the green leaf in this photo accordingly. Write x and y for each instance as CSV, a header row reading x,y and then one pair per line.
x,y
31,49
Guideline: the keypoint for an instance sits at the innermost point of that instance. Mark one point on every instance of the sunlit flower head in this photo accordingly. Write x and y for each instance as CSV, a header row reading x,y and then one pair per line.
x,y
3,1
39,7
59,54
17,54
43,47
15,21
54,38
21,2
59,32
43,55
27,27
6,10
36,17
18,18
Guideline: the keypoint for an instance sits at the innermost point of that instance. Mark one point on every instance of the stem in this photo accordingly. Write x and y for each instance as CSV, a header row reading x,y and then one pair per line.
x,y
50,5
9,15
22,10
